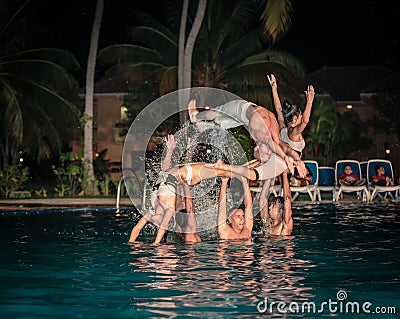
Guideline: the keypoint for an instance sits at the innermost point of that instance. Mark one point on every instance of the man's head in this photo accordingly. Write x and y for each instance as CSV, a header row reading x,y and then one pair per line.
x,y
275,210
236,218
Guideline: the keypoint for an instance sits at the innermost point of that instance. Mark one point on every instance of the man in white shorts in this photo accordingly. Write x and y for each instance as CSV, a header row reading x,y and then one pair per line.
x,y
261,123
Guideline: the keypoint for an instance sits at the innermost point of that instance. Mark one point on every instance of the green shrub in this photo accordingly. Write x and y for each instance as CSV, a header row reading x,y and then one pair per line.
x,y
12,178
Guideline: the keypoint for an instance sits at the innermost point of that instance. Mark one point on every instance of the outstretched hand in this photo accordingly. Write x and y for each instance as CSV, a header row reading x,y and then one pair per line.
x,y
170,142
310,93
272,80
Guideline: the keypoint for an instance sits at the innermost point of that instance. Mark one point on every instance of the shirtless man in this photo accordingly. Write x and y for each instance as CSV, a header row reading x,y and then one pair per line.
x,y
261,123
187,221
240,218
277,217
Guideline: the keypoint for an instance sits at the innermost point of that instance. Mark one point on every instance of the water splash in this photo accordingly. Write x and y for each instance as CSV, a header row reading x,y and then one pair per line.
x,y
200,142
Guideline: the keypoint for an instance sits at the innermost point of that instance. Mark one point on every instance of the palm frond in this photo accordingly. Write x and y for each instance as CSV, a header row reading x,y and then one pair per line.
x,y
144,19
57,56
168,82
127,53
234,52
134,71
231,19
13,40
153,38
277,18
11,110
42,71
285,59
46,97
40,133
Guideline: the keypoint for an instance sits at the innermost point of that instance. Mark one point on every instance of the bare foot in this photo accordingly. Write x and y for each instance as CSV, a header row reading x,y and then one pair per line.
x,y
192,109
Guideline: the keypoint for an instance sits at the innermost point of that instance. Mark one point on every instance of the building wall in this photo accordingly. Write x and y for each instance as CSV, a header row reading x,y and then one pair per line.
x,y
107,115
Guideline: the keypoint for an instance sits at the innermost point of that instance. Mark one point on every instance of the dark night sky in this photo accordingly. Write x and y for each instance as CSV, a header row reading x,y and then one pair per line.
x,y
344,33
323,33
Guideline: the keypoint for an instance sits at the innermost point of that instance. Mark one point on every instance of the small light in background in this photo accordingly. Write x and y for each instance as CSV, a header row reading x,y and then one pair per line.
x,y
349,106
20,153
208,151
207,107
387,149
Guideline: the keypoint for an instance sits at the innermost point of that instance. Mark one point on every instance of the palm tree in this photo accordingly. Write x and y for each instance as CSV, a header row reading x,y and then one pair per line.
x,y
186,49
276,17
37,92
234,54
322,131
186,46
231,52
88,116
386,103
332,135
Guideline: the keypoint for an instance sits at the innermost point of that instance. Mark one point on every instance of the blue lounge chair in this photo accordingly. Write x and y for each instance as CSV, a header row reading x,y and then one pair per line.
x,y
361,191
311,189
391,190
363,166
326,181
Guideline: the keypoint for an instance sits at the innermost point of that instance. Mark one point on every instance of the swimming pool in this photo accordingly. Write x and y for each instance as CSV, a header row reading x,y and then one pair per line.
x,y
77,264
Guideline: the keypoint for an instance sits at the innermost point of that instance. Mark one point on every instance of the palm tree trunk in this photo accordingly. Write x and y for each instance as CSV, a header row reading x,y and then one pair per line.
x,y
181,44
186,51
88,116
181,53
187,65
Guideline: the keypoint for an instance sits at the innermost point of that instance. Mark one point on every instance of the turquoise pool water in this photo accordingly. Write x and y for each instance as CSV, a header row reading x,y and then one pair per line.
x,y
77,264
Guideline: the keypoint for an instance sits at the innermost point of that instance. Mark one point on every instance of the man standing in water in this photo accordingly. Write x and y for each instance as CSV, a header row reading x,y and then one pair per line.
x,y
238,223
186,220
277,217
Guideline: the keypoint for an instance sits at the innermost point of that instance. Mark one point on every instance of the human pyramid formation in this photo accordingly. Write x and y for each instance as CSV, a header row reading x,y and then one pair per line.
x,y
279,143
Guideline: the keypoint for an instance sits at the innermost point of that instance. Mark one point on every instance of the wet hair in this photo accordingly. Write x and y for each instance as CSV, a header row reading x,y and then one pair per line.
x,y
233,209
289,111
279,200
